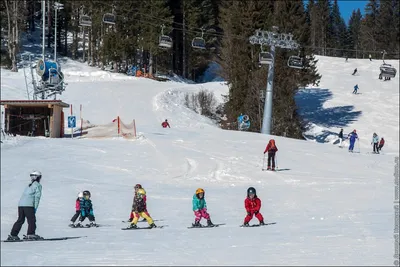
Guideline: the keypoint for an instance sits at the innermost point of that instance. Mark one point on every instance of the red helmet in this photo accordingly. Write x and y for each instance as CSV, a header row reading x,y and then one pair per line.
x,y
138,186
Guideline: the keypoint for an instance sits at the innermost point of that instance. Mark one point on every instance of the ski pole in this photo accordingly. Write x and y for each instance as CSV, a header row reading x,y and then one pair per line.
x,y
276,161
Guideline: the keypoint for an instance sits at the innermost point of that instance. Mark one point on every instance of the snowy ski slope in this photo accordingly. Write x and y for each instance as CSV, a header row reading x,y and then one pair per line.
x,y
330,207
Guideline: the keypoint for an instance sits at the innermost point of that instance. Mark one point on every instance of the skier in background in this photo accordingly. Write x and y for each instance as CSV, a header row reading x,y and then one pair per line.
x,y
355,89
252,205
27,207
77,209
271,149
370,57
340,137
200,208
375,142
381,144
165,124
355,71
353,137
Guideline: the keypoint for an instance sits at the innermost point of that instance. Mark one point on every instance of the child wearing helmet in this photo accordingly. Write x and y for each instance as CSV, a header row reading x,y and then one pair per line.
x,y
139,209
252,205
77,209
165,124
271,149
200,208
27,207
86,209
381,144
136,188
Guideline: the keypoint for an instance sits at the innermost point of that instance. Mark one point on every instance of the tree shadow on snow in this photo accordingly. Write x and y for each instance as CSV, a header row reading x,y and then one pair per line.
x,y
310,102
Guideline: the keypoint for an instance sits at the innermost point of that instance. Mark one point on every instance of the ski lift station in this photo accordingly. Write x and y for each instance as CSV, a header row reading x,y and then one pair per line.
x,y
34,117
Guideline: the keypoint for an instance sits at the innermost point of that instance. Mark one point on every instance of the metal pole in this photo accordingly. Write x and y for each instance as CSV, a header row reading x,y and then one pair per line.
x,y
266,126
55,35
44,26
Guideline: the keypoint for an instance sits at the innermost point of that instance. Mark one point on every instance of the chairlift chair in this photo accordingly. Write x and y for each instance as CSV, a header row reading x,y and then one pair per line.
x,y
85,21
388,70
109,18
265,58
199,42
295,62
165,42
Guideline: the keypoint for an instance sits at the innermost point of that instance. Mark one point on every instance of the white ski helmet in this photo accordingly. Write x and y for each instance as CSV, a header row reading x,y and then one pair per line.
x,y
80,195
36,175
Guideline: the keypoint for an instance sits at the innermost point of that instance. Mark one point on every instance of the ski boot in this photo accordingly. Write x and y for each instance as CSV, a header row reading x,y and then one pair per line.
x,y
262,223
79,225
92,224
268,168
246,224
33,237
209,223
196,224
72,224
153,225
132,226
13,238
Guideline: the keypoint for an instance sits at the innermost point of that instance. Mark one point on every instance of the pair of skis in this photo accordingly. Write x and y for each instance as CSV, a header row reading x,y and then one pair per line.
x,y
44,239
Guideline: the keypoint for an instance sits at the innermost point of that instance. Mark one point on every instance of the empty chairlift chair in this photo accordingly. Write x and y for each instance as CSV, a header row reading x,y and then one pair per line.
x,y
295,62
387,71
198,43
109,18
85,21
265,58
165,42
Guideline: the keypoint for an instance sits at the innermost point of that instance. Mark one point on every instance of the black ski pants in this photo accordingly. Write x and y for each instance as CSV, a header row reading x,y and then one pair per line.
x,y
91,218
29,214
376,149
76,215
271,157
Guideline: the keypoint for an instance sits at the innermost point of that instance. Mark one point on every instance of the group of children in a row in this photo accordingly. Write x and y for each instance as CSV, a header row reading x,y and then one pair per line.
x,y
377,144
84,208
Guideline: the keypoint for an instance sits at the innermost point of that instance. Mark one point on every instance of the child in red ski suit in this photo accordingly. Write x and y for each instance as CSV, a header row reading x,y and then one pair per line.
x,y
271,149
165,124
252,205
77,209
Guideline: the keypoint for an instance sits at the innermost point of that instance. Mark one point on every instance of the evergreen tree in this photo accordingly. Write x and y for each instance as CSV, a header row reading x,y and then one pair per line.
x,y
354,30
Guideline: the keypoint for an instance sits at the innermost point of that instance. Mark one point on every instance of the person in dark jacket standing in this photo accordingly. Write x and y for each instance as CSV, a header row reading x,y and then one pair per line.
x,y
27,207
340,137
271,149
86,208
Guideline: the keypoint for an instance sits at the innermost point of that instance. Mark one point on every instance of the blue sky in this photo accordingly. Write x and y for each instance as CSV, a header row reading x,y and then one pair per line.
x,y
346,7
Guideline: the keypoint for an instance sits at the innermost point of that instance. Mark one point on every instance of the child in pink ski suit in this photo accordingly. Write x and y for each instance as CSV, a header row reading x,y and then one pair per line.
x,y
200,208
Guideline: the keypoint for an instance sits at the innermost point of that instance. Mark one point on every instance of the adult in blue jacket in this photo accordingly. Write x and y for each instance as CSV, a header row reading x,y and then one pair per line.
x,y
27,207
352,137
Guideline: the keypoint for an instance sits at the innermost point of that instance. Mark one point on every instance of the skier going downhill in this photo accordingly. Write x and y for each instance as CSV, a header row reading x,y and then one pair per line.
x,y
271,149
352,137
340,137
200,208
165,124
252,205
27,207
355,89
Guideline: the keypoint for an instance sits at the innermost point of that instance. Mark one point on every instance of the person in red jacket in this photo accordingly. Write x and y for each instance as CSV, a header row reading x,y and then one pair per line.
x,y
77,209
165,124
381,144
252,205
271,149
